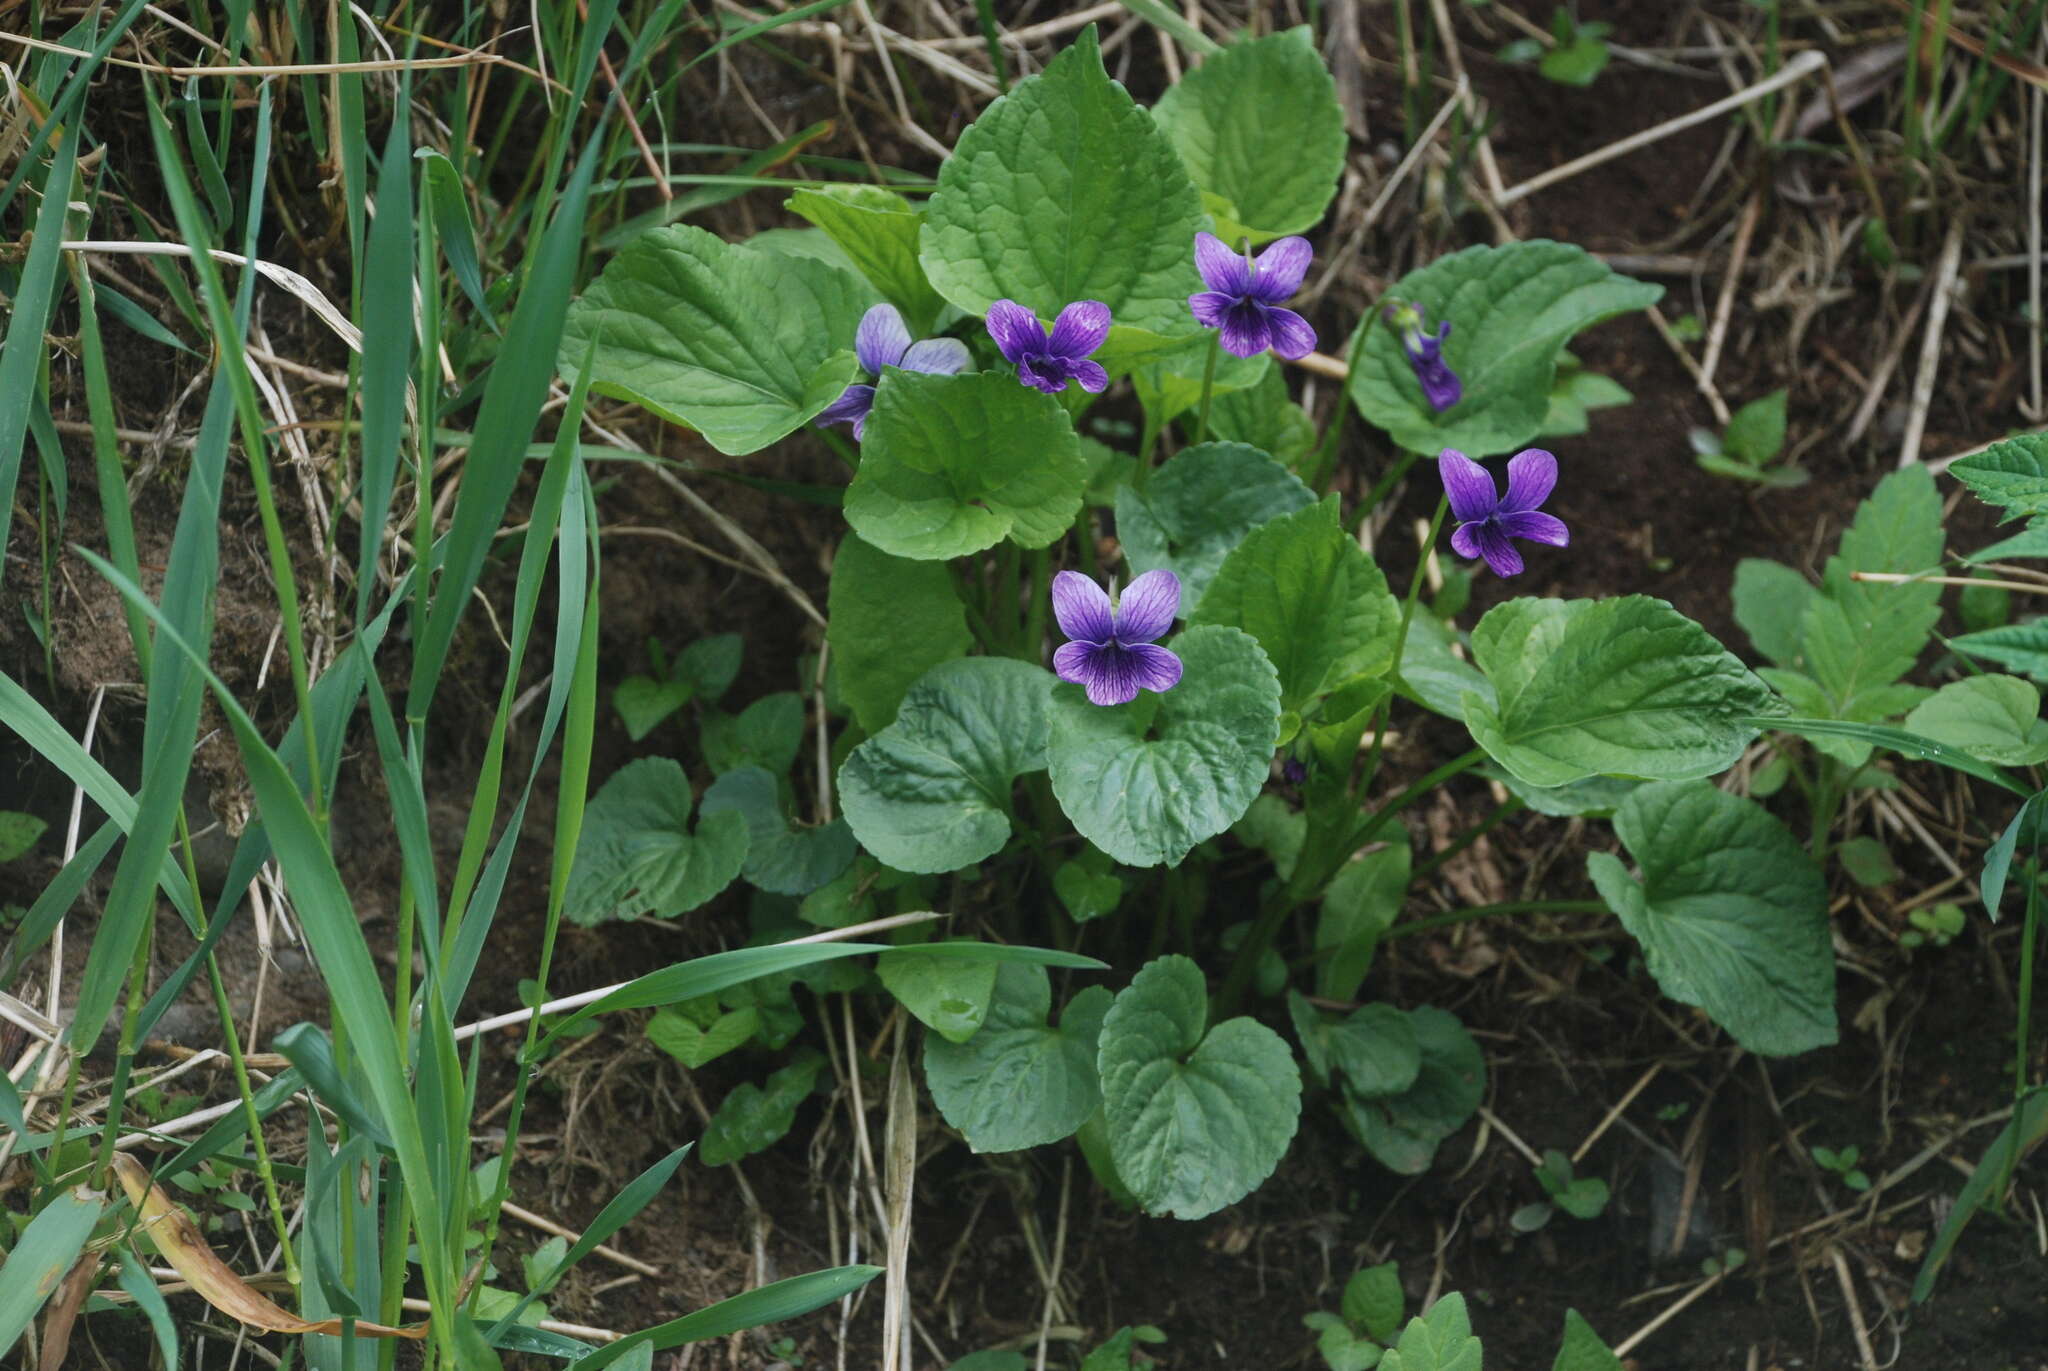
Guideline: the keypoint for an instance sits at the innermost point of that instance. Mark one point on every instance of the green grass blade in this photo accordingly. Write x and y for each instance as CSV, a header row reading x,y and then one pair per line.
x,y
170,729
64,109
115,515
1162,17
450,208
637,1195
56,900
21,354
2021,1134
770,1304
1898,740
135,1279
511,406
41,1256
26,718
387,317
328,920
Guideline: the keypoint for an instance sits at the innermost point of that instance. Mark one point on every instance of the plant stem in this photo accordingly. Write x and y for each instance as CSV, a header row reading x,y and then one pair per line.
x,y
1379,731
1273,911
1380,488
1509,809
1035,610
1208,388
1325,464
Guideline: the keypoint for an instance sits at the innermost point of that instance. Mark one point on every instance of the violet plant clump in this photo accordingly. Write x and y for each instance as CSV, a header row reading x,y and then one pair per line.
x,y
1151,795
882,340
1487,519
1113,652
1047,363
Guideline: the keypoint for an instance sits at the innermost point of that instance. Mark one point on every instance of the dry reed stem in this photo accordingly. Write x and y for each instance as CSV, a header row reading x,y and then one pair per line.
x,y
1801,66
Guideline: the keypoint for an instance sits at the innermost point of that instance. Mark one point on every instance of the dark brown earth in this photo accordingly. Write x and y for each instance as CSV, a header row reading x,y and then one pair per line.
x,y
1569,1024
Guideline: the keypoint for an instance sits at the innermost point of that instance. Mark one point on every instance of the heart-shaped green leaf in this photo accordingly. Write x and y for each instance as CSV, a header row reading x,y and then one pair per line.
x,y
1020,1082
1994,718
1277,167
878,229
1198,507
1147,800
931,792
1511,310
741,345
955,464
1731,913
783,858
1318,605
636,854
1064,190
1196,1121
892,620
1627,686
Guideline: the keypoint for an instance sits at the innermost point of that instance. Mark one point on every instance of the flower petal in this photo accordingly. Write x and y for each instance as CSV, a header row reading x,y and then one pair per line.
x,y
1015,329
1280,268
1112,677
1052,383
1465,540
1081,328
1531,476
1440,385
1147,607
1209,307
936,356
1500,554
1292,336
1091,375
881,339
1082,608
1222,268
1468,485
1536,527
1154,667
1075,662
852,406
1246,331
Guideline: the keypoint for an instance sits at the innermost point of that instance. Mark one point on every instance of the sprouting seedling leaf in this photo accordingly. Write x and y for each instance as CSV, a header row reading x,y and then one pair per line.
x,y
18,833
183,1246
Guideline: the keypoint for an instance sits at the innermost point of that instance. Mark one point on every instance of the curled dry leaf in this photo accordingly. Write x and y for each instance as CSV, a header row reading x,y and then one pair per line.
x,y
182,1245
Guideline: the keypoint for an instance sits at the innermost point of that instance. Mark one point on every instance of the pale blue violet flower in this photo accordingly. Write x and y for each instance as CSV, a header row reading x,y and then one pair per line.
x,y
1047,364
1487,519
1245,296
1440,385
882,340
1113,654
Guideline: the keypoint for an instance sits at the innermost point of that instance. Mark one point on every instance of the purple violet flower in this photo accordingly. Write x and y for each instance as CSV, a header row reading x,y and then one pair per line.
x,y
1245,295
883,340
1440,385
1047,364
1113,653
1487,520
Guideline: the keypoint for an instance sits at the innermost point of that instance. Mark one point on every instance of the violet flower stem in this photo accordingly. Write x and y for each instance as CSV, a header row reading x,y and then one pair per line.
x,y
1084,542
1208,387
1148,439
1325,465
1379,730
840,448
1036,605
1503,812
1380,488
1007,609
1273,911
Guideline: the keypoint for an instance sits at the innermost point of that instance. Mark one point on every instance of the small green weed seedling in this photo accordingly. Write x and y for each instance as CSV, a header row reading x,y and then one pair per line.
x,y
1578,55
1582,1197
1752,442
1843,1164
